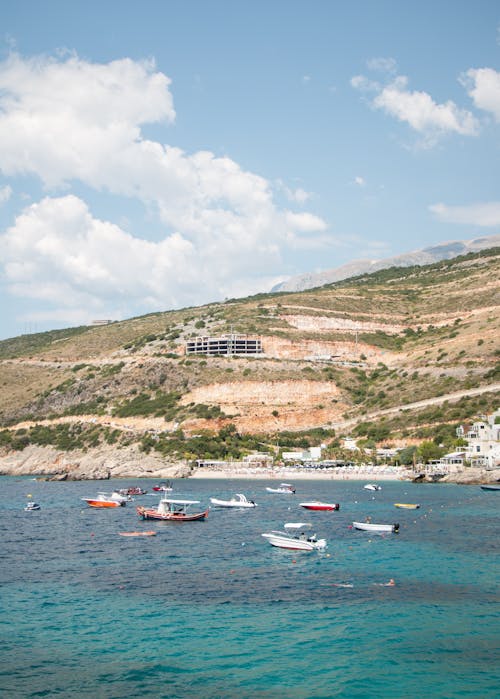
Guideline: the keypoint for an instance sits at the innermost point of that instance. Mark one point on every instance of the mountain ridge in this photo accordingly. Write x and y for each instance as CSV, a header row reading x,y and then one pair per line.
x,y
425,256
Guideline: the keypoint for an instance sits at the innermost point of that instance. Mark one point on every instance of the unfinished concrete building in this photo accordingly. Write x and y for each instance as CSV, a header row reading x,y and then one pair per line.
x,y
225,346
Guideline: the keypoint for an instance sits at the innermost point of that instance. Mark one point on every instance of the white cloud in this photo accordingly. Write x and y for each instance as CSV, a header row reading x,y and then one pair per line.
x,y
299,195
483,86
418,109
485,214
5,194
383,65
69,120
360,181
57,252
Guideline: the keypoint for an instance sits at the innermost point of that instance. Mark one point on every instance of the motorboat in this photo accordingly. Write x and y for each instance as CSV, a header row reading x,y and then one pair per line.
x,y
172,511
286,488
295,537
163,487
32,507
372,486
106,500
239,500
320,506
407,505
490,487
131,491
369,527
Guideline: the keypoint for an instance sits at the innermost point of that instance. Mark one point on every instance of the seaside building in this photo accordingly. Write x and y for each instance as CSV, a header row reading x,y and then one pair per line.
x,y
483,441
225,346
482,449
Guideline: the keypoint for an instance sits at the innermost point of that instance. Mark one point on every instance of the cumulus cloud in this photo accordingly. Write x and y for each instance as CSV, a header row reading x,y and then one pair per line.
x,y
485,214
417,109
57,252
483,86
68,121
360,181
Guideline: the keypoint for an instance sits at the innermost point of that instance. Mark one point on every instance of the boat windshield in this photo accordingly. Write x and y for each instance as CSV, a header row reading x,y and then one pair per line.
x,y
298,525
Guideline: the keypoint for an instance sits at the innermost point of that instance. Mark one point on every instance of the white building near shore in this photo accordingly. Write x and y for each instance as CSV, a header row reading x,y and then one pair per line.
x,y
483,441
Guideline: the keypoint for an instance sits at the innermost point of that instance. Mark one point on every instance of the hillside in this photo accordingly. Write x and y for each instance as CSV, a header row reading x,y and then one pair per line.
x,y
354,355
426,256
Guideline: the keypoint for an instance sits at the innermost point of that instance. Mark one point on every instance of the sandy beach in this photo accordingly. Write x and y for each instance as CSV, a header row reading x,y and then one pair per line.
x,y
286,474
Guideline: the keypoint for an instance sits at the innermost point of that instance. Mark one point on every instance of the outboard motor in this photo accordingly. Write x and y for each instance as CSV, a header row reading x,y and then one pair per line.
x,y
396,527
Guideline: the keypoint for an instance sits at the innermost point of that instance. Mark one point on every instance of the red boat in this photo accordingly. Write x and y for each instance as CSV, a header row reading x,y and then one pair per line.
x,y
317,505
172,511
163,487
132,491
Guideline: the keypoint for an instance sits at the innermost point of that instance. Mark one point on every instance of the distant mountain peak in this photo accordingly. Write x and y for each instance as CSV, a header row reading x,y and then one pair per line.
x,y
425,256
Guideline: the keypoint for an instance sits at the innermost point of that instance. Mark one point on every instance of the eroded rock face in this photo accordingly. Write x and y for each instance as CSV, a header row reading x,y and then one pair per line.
x,y
95,464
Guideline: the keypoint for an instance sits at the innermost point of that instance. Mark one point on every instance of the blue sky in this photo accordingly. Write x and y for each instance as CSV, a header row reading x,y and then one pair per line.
x,y
157,155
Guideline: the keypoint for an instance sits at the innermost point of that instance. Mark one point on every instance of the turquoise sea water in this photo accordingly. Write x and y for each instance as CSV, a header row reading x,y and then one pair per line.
x,y
210,610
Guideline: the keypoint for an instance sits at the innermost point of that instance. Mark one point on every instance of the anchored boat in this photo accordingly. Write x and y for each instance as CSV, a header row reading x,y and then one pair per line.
x,y
239,500
369,527
295,538
106,500
320,506
172,511
286,488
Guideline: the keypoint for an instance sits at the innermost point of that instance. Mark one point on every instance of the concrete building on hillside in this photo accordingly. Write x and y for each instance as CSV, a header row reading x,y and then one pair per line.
x,y
225,346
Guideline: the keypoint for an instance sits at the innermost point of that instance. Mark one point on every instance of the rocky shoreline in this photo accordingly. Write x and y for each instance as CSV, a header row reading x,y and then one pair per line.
x,y
109,462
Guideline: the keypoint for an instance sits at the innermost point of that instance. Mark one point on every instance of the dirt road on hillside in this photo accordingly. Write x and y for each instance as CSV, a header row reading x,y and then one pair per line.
x,y
437,400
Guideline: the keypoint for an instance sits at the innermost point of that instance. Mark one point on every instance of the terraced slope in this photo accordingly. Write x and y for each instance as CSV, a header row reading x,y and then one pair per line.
x,y
339,353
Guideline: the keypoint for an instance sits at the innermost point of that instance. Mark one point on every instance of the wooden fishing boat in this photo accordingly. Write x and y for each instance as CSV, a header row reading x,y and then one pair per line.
x,y
407,505
490,487
172,511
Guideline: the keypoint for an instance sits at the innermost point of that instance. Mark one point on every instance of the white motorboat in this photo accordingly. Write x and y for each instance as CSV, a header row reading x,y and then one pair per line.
x,y
369,527
372,486
31,507
287,488
239,500
295,538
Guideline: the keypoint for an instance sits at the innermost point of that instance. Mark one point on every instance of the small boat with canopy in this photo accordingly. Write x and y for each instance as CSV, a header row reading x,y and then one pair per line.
x,y
170,510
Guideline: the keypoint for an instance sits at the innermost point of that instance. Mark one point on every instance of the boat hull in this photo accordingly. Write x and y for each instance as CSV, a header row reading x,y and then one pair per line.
x,y
102,503
231,503
145,513
292,543
491,487
320,506
406,505
369,527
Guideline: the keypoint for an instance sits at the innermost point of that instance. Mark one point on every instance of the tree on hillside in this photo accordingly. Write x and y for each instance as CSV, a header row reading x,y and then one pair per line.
x,y
428,451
